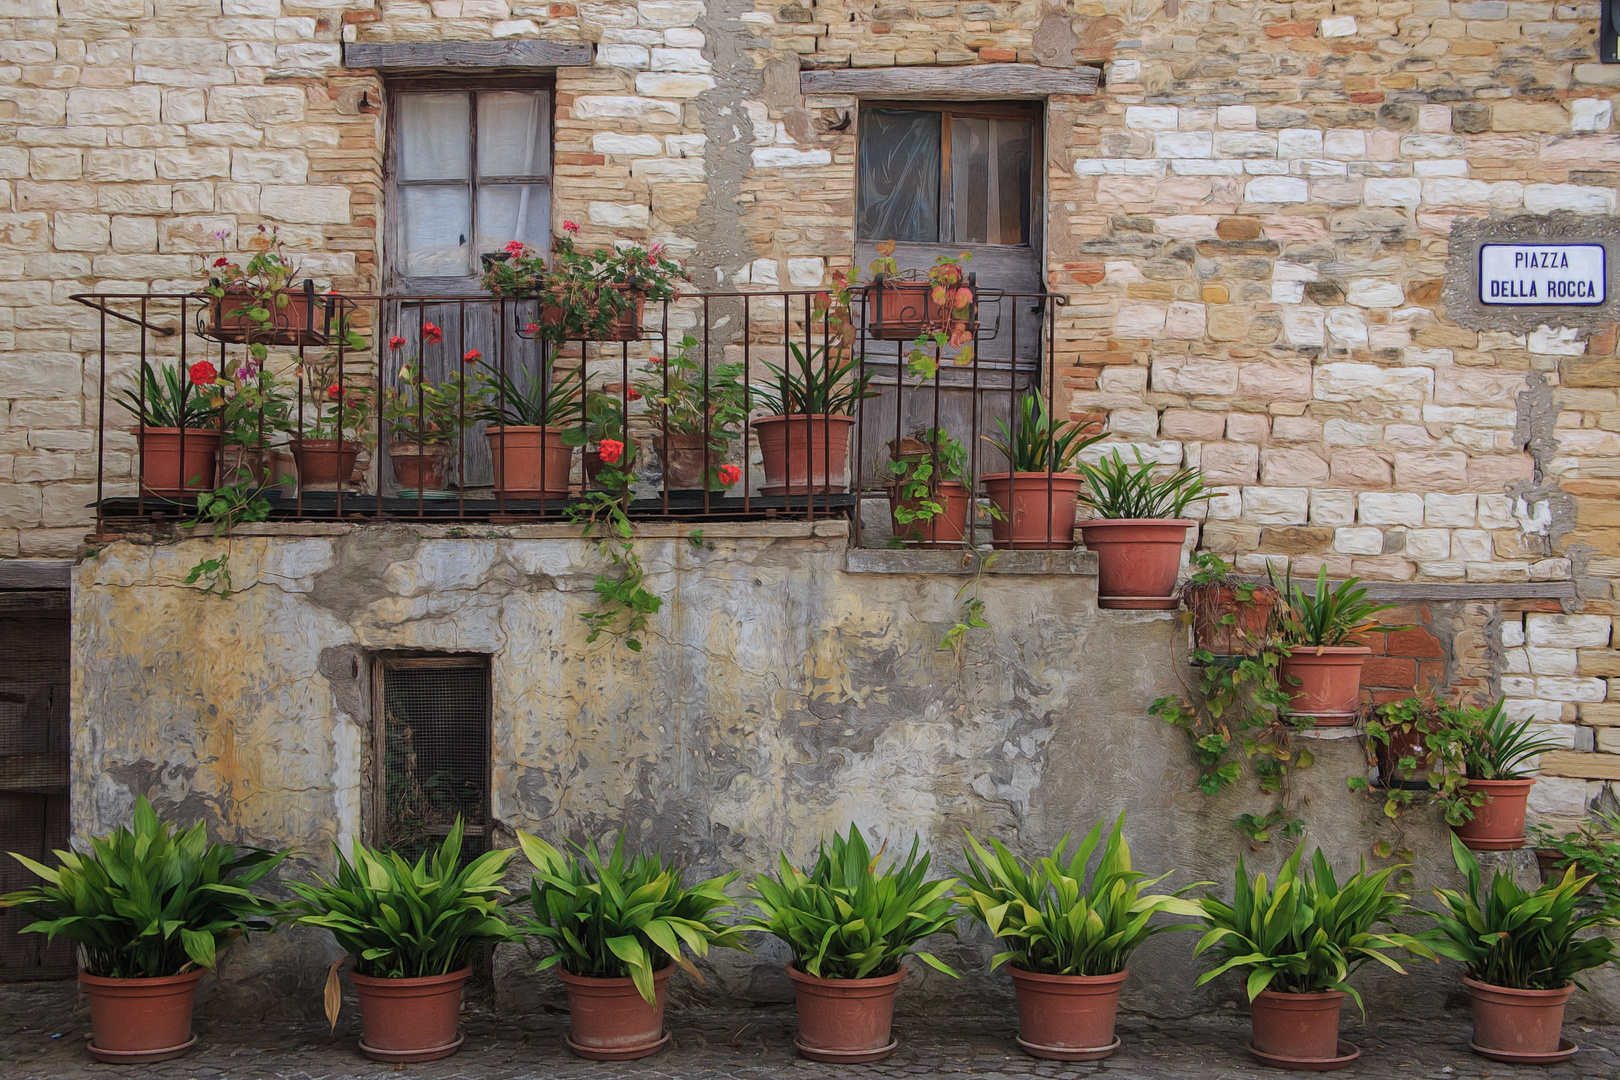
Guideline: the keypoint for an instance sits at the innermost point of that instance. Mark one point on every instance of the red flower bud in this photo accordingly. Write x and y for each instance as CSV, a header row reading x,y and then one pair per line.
x,y
472,356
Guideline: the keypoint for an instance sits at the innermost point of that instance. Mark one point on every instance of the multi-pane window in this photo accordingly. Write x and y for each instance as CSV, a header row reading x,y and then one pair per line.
x,y
946,174
472,172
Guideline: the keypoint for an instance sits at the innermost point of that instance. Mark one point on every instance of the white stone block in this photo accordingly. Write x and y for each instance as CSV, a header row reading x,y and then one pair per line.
x,y
626,145
1338,26
1545,661
685,37
305,204
1561,797
1515,662
635,57
1139,320
1299,143
1562,341
1185,321
1187,226
1449,511
1496,512
1246,144
1393,191
807,273
685,145
1512,632
610,107
1519,709
1567,631
664,14
1590,114
1183,144
1346,144
1332,506
1275,506
1151,117
1373,293
1276,189
1347,325
1304,326
1359,541
784,157
618,215
1236,117
1578,198
1390,508
684,60
1428,545
1471,545
1124,71
1559,688
1520,686
672,84
763,272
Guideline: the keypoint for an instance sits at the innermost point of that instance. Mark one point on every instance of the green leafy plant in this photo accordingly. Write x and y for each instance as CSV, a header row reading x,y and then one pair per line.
x,y
624,604
1117,491
844,919
1213,597
222,510
1406,723
1473,743
516,270
262,284
1519,939
623,917
1592,849
1053,921
167,401
587,292
421,412
151,900
1309,933
970,615
1035,445
948,291
550,398
919,463
400,920
1328,617
815,383
602,425
682,397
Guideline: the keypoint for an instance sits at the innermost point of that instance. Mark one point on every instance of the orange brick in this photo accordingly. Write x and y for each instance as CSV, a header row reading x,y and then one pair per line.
x,y
998,56
1418,642
1389,671
1291,30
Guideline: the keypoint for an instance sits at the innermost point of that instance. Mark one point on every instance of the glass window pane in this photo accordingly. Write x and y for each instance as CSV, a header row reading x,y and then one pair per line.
x,y
508,212
434,223
990,180
512,134
899,176
435,131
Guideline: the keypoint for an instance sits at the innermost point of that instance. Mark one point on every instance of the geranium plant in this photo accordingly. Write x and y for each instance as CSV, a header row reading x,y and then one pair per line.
x,y
421,412
919,463
261,285
516,271
948,318
584,294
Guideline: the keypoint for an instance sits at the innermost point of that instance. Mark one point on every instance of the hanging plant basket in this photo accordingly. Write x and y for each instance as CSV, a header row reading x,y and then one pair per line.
x,y
626,325
304,319
900,310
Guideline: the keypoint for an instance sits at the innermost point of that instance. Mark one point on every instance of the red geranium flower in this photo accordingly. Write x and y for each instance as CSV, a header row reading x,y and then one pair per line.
x,y
730,474
432,334
472,356
571,227
396,343
221,261
515,248
610,449
203,373
631,394
531,328
334,391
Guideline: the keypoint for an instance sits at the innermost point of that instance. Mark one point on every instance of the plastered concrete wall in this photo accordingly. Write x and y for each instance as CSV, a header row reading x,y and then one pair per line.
x,y
779,697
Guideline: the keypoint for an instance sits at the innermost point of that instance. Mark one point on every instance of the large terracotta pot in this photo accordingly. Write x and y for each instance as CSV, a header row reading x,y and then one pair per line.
x,y
848,1020
608,1020
1299,1031
141,1020
1137,560
1067,1017
943,530
1325,683
1210,604
410,1019
1497,824
163,473
417,467
1524,1026
1028,518
328,462
520,473
680,457
1551,864
807,454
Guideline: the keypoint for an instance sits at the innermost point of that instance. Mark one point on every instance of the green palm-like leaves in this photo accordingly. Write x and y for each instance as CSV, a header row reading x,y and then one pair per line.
x,y
815,383
1035,444
1306,934
1519,939
1117,491
400,920
1055,923
623,917
1327,617
845,920
151,900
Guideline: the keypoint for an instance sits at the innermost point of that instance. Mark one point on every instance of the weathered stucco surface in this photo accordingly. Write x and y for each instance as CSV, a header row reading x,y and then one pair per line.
x,y
779,697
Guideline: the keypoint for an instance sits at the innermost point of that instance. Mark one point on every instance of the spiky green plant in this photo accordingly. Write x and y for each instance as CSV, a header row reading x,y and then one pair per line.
x,y
1057,924
1118,491
845,920
623,917
401,920
171,401
1308,933
150,900
501,397
814,384
1520,939
1034,444
1327,617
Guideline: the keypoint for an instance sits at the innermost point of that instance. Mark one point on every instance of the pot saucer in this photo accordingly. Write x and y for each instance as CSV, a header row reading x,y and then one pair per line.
x,y
1138,603
1348,1052
430,494
1069,1053
629,1053
852,1057
139,1057
427,1053
1566,1050
1496,845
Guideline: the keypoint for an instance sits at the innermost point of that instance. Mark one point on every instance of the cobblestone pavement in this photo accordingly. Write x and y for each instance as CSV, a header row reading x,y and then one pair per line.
x,y
42,1032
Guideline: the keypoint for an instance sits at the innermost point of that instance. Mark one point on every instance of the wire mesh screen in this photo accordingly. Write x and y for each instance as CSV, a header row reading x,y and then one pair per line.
x,y
434,754
34,656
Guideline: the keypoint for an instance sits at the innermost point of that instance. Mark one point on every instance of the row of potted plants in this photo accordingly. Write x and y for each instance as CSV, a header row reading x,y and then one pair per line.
x,y
151,907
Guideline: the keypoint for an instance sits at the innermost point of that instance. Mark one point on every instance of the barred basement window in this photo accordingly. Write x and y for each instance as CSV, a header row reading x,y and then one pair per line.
x,y
431,751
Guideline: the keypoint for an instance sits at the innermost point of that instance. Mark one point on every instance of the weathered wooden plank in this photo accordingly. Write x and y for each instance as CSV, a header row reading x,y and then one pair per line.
x,y
974,81
35,573
1424,590
465,55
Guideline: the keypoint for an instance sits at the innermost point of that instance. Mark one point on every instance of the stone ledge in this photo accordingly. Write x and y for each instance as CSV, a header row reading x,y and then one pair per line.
x,y
973,81
892,561
465,55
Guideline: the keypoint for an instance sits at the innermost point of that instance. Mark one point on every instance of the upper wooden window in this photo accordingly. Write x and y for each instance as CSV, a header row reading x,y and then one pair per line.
x,y
951,173
471,171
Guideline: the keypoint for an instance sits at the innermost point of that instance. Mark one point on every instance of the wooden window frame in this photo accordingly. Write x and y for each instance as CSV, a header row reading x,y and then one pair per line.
x,y
374,808
396,279
1031,111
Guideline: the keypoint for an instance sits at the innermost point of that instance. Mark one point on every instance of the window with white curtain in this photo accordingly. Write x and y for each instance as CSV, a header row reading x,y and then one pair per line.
x,y
471,172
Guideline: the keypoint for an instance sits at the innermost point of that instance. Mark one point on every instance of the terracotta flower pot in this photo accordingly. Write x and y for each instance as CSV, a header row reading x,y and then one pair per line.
x,y
806,454
626,325
410,1019
1067,1017
300,321
1523,1026
163,473
594,463
1210,604
848,1020
1299,1031
1497,824
419,468
608,1020
1028,518
900,310
1137,561
1325,683
943,530
530,462
141,1020
680,457
328,462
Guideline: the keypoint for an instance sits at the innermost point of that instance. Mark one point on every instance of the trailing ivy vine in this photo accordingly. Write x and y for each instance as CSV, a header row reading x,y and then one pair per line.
x,y
223,509
624,605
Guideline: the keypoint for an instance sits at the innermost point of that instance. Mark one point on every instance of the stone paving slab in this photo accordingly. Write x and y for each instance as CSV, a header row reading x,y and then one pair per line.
x,y
42,1031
